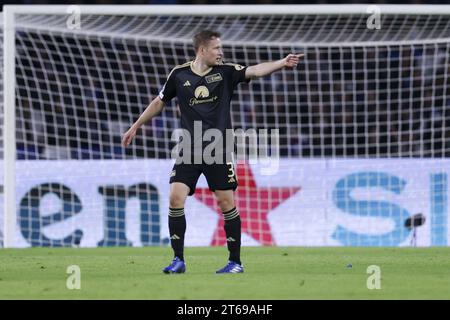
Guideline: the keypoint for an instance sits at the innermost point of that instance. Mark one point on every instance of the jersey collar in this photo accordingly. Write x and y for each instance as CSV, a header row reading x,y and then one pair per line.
x,y
198,73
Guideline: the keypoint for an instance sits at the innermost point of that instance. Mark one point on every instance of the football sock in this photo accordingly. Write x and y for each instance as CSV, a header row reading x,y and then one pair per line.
x,y
177,228
233,232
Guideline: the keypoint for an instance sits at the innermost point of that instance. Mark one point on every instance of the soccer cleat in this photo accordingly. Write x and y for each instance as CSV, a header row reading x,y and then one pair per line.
x,y
231,267
177,266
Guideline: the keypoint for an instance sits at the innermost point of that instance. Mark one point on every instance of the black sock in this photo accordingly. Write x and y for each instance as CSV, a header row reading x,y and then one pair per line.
x,y
233,232
177,228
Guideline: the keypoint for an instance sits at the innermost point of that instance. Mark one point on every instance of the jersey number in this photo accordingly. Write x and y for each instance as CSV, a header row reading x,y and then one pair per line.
x,y
232,174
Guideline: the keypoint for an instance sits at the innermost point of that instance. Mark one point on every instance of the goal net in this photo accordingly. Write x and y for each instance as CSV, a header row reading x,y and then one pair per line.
x,y
363,125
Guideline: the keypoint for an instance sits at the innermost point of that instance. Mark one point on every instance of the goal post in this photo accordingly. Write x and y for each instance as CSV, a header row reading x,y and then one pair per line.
x,y
9,131
368,104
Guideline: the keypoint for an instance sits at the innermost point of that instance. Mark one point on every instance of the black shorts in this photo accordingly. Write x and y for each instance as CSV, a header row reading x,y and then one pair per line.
x,y
219,176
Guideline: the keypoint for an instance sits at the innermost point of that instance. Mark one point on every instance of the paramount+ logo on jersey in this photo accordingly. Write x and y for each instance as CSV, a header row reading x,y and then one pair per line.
x,y
201,94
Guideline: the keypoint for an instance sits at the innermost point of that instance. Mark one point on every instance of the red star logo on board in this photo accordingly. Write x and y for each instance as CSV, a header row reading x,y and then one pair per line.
x,y
254,204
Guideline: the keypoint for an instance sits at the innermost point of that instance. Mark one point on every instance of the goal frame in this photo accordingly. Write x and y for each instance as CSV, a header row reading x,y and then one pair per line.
x,y
9,80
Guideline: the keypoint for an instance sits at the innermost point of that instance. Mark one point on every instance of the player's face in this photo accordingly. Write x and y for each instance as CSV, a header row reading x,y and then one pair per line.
x,y
212,52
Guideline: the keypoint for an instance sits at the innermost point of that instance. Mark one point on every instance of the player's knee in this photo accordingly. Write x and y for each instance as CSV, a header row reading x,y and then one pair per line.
x,y
176,200
225,204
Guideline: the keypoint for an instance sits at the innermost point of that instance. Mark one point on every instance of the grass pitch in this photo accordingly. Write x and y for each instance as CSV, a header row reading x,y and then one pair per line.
x,y
270,273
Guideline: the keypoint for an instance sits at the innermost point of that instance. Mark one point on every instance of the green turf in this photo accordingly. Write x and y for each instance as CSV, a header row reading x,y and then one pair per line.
x,y
270,273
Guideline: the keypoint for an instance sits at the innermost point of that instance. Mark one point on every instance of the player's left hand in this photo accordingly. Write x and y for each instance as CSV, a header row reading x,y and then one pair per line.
x,y
292,60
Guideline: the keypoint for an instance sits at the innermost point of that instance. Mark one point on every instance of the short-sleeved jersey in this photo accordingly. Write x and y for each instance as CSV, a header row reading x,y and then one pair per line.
x,y
204,97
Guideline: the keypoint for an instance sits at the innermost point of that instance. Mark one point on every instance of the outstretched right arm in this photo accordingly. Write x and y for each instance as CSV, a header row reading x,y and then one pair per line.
x,y
152,110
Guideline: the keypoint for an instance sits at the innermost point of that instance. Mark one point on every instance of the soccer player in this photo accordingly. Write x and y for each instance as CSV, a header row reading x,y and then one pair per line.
x,y
204,88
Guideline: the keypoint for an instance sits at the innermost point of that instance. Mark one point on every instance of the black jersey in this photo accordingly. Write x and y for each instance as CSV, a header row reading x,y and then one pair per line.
x,y
204,97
